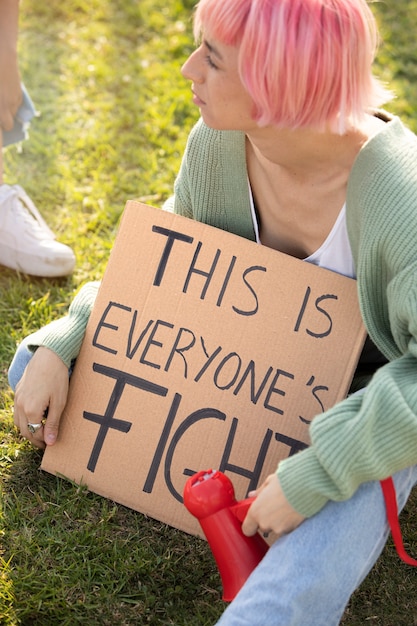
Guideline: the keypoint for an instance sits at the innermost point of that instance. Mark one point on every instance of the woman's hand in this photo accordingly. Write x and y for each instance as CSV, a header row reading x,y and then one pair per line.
x,y
271,511
42,390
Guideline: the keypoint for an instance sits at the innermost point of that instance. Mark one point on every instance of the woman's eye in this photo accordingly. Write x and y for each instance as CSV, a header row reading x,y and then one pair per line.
x,y
210,62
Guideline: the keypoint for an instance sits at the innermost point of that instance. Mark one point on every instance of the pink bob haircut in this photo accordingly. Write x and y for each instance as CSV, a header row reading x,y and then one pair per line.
x,y
305,63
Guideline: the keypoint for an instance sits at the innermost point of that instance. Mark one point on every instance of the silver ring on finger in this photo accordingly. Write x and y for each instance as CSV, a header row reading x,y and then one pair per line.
x,y
33,428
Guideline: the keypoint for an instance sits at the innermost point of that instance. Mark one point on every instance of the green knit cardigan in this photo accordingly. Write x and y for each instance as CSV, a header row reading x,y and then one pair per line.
x,y
368,436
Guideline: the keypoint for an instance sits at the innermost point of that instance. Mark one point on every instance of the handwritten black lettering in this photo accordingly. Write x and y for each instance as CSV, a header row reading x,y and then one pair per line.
x,y
172,236
177,348
252,475
294,444
226,281
226,465
107,421
163,440
250,371
210,359
255,268
193,418
207,274
328,330
222,366
302,310
130,352
275,390
152,342
103,324
315,391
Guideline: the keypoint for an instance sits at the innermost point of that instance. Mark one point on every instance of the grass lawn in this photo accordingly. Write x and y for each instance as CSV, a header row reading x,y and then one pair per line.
x,y
114,117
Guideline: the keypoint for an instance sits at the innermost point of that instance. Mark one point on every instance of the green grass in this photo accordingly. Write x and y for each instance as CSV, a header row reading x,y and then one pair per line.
x,y
115,114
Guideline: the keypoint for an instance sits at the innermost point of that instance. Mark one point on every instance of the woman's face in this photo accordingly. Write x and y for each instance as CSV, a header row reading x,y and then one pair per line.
x,y
218,91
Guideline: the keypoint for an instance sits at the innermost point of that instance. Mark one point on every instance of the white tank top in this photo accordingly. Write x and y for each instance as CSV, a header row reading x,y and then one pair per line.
x,y
335,252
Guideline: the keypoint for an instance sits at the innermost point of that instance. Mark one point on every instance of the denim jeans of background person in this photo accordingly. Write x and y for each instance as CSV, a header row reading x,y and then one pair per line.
x,y
26,242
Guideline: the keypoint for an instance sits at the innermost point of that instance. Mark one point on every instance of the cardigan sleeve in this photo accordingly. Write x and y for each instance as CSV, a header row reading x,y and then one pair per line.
x,y
64,336
366,437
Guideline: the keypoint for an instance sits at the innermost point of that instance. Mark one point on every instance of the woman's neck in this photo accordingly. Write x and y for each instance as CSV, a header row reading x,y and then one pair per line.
x,y
305,154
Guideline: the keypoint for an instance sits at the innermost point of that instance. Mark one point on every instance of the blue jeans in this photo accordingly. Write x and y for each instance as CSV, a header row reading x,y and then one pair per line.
x,y
18,365
308,576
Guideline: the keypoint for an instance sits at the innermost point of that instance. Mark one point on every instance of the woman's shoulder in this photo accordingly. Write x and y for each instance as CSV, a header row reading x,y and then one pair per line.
x,y
391,143
382,188
388,159
215,153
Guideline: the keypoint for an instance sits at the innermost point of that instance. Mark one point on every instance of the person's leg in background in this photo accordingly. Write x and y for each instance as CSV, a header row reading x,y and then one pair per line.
x,y
26,242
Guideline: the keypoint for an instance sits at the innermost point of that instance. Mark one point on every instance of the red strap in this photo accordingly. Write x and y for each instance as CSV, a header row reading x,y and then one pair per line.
x,y
388,489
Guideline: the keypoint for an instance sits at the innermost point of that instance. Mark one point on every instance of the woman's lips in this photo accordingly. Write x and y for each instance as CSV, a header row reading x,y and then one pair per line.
x,y
197,100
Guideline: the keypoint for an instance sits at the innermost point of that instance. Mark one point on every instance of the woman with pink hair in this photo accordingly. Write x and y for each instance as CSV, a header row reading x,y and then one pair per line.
x,y
292,152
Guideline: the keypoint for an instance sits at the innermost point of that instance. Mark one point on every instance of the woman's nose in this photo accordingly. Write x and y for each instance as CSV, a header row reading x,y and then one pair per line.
x,y
191,70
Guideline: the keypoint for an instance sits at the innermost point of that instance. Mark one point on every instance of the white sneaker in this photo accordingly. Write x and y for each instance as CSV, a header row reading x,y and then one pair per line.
x,y
26,243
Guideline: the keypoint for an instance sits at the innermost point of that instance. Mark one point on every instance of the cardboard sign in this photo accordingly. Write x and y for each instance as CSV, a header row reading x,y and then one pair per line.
x,y
203,350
